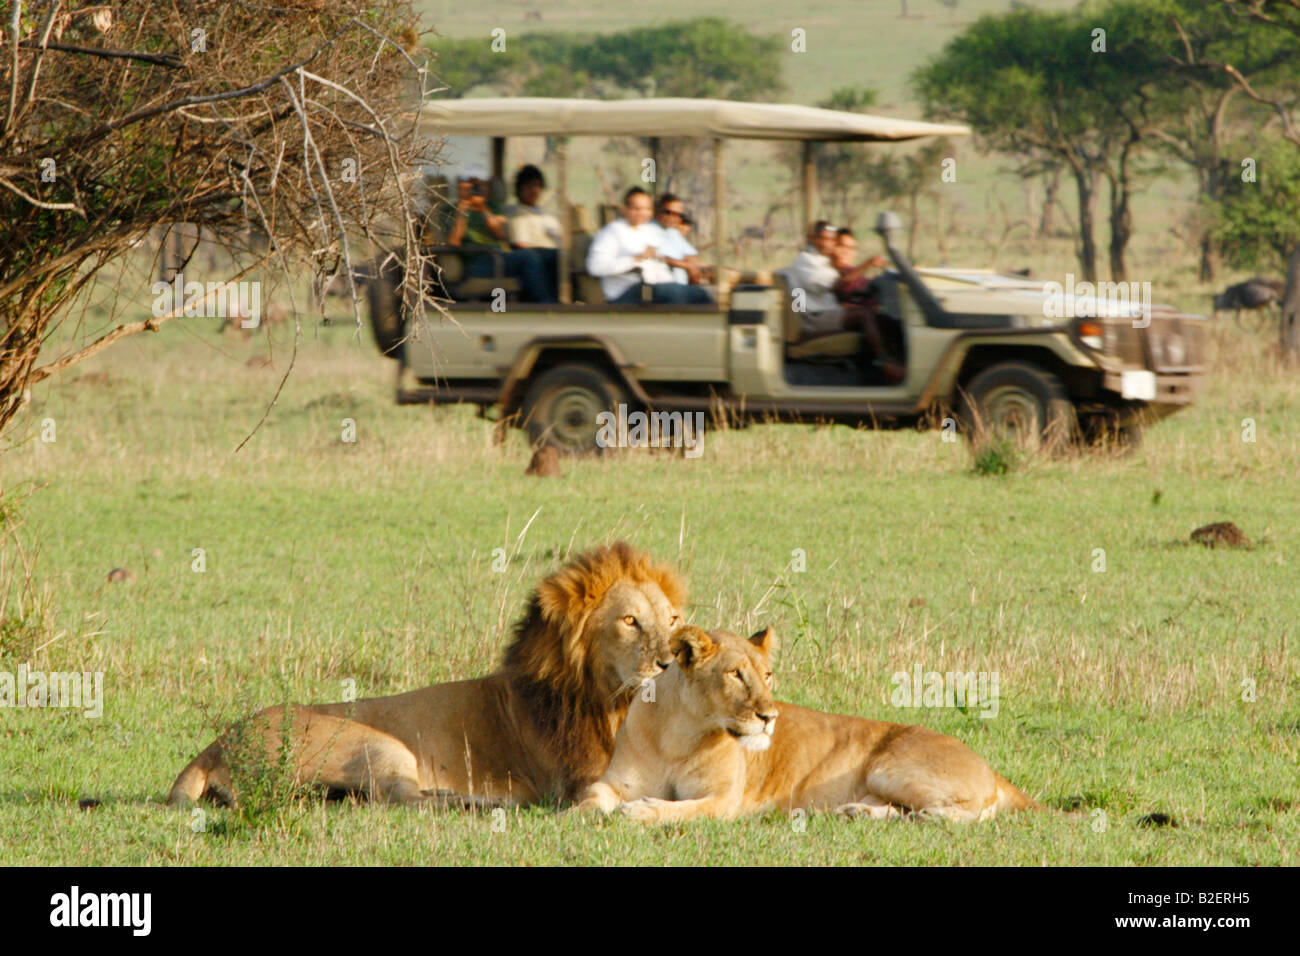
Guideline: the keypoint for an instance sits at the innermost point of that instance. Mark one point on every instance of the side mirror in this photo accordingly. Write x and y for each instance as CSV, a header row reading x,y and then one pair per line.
x,y
888,225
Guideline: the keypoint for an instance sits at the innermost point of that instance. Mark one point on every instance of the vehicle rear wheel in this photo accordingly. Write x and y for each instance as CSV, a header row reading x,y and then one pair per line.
x,y
383,295
562,404
1018,402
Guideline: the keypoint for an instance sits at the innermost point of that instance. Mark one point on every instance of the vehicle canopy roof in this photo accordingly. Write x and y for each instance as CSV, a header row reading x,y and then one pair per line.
x,y
668,117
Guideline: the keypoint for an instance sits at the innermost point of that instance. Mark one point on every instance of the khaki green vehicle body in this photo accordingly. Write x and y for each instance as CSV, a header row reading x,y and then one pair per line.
x,y
700,358
984,348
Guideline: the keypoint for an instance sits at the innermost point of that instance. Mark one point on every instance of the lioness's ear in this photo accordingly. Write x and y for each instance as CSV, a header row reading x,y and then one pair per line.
x,y
766,641
690,645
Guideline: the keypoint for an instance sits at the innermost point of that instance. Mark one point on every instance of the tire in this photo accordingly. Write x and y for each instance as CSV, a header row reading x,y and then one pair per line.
x,y
384,298
1020,402
562,404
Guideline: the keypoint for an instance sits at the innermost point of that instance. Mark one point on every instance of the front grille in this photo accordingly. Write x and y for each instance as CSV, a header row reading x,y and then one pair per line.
x,y
1171,343
1125,343
1176,343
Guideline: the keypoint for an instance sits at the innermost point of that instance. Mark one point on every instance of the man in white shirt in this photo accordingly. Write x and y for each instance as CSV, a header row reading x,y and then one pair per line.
x,y
625,254
814,272
676,249
824,270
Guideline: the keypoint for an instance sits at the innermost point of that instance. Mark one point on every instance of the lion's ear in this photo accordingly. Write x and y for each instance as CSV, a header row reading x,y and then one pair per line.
x,y
690,645
766,641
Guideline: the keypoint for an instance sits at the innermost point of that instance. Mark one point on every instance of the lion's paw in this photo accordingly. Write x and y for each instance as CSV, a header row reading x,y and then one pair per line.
x,y
645,810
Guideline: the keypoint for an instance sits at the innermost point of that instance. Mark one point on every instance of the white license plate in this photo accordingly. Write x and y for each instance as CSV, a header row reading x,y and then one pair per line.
x,y
1138,385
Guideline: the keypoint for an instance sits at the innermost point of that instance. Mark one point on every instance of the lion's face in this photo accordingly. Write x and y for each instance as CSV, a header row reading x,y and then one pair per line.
x,y
729,682
633,627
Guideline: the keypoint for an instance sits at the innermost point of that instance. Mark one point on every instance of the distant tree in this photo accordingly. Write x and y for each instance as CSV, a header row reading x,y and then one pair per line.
x,y
1278,19
1008,77
539,64
706,57
1259,217
288,122
1193,104
1049,88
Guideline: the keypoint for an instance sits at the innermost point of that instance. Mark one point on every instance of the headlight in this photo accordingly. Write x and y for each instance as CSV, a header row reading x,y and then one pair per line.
x,y
1090,333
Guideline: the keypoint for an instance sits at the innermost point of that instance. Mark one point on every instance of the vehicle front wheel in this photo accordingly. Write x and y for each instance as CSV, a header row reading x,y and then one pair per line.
x,y
1018,402
562,407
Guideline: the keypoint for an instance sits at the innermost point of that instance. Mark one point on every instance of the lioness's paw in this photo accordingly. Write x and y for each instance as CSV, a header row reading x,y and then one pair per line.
x,y
645,810
872,811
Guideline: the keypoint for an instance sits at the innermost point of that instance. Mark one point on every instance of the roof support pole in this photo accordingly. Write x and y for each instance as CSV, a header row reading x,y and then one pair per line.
x,y
719,211
654,164
499,158
566,220
809,185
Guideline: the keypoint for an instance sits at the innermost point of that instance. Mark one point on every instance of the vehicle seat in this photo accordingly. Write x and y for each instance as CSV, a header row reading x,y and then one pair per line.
x,y
840,345
454,265
586,287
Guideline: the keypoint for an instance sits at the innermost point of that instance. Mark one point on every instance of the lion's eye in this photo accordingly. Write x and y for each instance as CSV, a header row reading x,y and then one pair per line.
x,y
768,678
735,674
629,620
676,618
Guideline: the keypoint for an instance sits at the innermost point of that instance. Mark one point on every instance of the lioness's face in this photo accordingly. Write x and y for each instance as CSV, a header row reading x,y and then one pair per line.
x,y
729,682
635,622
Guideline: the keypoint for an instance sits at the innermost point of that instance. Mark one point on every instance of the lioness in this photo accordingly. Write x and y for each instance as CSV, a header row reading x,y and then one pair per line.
x,y
539,729
710,744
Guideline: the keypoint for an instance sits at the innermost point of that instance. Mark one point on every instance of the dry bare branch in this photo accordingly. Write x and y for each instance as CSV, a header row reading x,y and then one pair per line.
x,y
203,113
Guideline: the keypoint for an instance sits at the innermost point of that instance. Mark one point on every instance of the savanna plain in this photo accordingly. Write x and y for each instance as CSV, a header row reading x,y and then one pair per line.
x,y
1164,684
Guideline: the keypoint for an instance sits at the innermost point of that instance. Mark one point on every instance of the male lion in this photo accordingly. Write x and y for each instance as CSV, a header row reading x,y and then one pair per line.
x,y
710,744
539,729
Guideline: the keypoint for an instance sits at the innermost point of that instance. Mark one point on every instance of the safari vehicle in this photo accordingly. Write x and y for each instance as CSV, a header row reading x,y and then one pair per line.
x,y
984,348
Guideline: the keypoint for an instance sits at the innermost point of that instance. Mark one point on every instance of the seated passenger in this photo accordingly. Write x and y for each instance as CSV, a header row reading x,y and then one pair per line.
x,y
853,281
624,256
815,274
479,224
529,227
676,248
532,231
859,308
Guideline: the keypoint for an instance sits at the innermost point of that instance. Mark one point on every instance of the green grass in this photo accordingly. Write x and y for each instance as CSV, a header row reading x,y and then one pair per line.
x,y
1120,691
325,563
